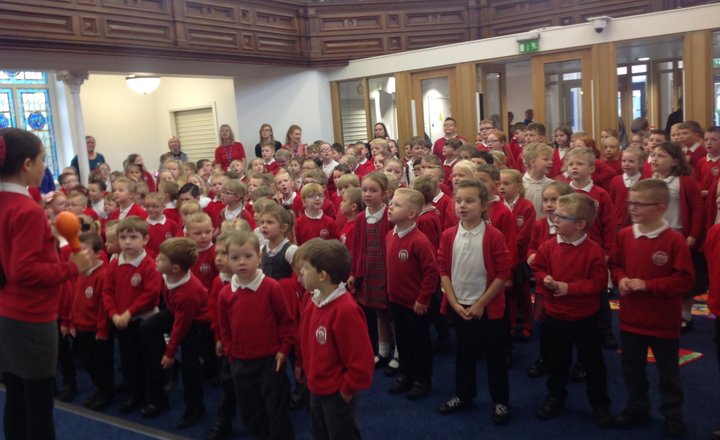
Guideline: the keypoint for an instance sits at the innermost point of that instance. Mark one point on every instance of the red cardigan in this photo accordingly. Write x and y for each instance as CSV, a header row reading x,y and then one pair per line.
x,y
665,265
29,259
497,263
503,219
88,313
237,153
712,253
127,287
412,271
692,209
524,213
188,303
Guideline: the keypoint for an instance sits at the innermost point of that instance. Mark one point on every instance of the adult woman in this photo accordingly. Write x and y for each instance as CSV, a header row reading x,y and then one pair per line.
x,y
293,141
228,150
380,131
31,281
94,158
266,138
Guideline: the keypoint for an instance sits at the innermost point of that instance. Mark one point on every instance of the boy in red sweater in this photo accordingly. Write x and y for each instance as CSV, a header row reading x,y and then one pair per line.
x,y
336,356
314,223
131,294
652,267
123,190
350,207
200,230
412,275
89,325
571,274
187,320
257,332
160,227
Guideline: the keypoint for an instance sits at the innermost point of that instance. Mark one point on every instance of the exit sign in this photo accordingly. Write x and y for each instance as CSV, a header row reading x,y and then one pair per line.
x,y
529,46
716,62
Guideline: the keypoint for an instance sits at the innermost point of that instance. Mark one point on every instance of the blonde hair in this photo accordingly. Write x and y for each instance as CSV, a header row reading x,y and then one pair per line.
x,y
311,188
580,206
180,251
237,224
190,207
412,196
517,177
584,153
348,180
235,186
465,165
198,218
535,150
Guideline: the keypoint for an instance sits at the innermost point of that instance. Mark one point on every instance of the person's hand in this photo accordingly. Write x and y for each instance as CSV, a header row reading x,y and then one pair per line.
x,y
299,375
63,331
530,259
637,285
116,320
73,331
691,242
219,350
81,260
561,289
461,311
624,287
549,283
420,309
476,311
351,283
99,337
346,397
167,362
279,362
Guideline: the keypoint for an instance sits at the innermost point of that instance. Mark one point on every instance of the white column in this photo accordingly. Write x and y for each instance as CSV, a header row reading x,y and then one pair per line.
x,y
74,80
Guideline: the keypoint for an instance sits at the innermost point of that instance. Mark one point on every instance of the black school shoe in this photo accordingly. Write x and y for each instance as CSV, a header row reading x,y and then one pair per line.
x,y
130,405
551,408
101,401
67,393
453,405
419,390
501,414
578,373
220,429
392,367
191,417
401,384
675,428
631,417
154,409
537,369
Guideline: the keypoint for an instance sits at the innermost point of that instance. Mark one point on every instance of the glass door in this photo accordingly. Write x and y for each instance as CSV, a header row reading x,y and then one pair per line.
x,y
561,91
433,101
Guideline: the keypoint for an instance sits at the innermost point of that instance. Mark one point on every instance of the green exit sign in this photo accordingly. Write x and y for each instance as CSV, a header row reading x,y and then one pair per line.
x,y
529,46
716,62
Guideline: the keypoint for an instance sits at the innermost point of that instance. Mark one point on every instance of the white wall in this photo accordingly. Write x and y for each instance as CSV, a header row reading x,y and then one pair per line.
x,y
283,98
124,122
519,88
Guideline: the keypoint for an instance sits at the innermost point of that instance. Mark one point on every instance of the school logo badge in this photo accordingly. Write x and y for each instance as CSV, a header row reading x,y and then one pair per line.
x,y
343,238
89,292
135,280
321,335
403,255
324,233
659,258
168,234
205,269
520,221
715,171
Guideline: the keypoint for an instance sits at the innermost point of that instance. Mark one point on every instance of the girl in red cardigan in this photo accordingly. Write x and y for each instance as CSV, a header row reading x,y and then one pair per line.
x,y
473,283
368,276
685,212
30,281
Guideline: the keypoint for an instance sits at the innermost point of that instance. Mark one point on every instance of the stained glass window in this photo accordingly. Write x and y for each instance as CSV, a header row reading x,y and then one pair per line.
x,y
25,103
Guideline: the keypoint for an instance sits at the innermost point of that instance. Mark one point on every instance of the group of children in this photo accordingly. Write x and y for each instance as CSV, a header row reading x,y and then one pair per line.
x,y
337,267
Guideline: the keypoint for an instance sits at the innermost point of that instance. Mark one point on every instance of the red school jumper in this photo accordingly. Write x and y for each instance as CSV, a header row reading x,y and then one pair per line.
x,y
665,265
158,232
134,210
307,228
130,287
88,313
603,230
712,253
187,303
412,271
204,268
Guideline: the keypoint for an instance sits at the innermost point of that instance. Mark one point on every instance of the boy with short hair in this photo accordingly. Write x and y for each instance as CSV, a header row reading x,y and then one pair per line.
x,y
449,133
412,276
571,274
90,326
652,267
350,207
186,319
124,192
68,182
335,353
535,133
691,139
96,195
200,230
313,222
707,170
538,160
160,227
131,293
632,162
257,331
270,165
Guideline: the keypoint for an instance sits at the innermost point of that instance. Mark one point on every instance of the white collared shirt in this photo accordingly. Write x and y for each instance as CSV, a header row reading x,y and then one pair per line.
x,y
335,294
329,168
672,213
289,201
652,234
135,262
630,180
160,221
553,229
184,280
14,188
512,204
562,151
254,285
713,158
314,217
575,243
438,196
124,212
288,254
372,219
94,268
171,205
587,188
402,233
235,213
469,277
534,190
99,208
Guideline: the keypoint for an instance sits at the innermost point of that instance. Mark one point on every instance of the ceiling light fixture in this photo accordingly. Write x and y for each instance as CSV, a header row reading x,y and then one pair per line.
x,y
644,59
143,84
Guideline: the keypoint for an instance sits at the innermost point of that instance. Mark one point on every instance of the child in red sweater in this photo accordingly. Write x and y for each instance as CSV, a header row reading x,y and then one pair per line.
x,y
350,207
712,253
131,294
257,332
473,282
412,279
313,223
571,274
160,226
90,326
124,192
336,355
652,266
187,321
512,191
200,230
632,162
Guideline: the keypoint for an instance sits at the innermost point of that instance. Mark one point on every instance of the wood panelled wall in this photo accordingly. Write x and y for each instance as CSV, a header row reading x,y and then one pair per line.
x,y
292,32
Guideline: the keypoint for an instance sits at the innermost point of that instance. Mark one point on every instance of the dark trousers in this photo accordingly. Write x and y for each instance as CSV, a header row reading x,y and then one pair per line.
x,y
28,408
518,297
438,320
331,418
717,340
634,360
470,338
605,315
194,346
412,336
228,402
131,358
97,356
66,358
372,322
263,397
585,335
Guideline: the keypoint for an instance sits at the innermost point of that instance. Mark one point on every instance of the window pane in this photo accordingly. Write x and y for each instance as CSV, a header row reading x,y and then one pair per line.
x,y
35,117
352,111
622,70
7,109
641,68
382,103
564,94
19,77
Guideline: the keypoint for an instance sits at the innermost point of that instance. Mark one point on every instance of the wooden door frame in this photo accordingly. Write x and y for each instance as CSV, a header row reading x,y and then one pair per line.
x,y
416,79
